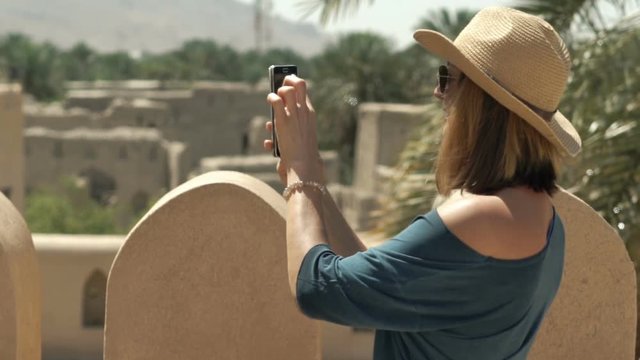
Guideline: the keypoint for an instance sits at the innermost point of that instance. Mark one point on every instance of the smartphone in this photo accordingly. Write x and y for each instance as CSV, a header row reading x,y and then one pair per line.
x,y
277,74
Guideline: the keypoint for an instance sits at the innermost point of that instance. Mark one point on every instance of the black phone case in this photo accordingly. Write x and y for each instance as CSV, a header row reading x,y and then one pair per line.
x,y
275,71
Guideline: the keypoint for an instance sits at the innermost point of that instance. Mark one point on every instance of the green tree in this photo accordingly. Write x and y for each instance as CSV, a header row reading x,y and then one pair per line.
x,y
68,209
363,59
160,67
35,66
79,63
202,59
254,64
43,69
357,68
118,65
573,16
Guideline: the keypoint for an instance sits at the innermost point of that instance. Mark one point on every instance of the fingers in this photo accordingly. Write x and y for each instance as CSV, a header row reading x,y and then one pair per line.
x,y
278,105
280,168
309,106
292,118
294,94
300,87
287,93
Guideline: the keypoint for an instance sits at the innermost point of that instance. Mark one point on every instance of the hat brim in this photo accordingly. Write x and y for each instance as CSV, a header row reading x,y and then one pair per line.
x,y
558,129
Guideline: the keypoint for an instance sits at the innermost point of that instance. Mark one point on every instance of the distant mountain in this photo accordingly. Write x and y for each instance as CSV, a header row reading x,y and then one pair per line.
x,y
149,25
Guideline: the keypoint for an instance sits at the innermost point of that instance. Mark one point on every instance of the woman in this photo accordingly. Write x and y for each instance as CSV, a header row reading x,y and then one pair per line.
x,y
473,278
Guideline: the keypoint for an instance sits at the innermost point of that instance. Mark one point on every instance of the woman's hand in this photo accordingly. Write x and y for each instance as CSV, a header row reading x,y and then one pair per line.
x,y
295,121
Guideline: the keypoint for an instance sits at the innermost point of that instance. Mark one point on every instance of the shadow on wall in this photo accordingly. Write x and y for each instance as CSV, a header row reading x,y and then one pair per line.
x,y
93,302
101,185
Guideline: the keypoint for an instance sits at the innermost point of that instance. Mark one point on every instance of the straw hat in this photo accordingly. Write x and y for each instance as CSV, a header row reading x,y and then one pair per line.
x,y
518,59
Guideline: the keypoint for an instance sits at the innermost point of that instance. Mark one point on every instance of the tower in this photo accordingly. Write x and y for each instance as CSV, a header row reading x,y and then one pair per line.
x,y
262,24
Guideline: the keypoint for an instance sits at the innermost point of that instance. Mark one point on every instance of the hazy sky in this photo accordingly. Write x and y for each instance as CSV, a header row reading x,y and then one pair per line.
x,y
395,19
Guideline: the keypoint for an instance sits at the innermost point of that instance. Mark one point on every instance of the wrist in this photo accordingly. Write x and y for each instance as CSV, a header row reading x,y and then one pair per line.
x,y
305,171
300,186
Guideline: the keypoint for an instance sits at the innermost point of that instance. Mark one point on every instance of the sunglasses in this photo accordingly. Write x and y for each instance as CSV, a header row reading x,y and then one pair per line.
x,y
443,78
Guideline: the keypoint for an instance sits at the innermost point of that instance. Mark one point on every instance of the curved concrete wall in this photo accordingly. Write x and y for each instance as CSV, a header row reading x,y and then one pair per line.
x,y
204,276
20,300
594,313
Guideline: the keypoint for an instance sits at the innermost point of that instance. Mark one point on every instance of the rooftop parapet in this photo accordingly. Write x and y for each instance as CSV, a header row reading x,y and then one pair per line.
x,y
115,134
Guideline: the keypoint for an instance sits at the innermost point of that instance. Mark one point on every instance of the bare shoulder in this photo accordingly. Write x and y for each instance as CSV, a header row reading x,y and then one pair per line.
x,y
511,224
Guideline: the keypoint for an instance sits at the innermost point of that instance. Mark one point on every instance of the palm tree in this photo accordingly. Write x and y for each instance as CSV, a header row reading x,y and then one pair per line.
x,y
36,66
572,17
357,68
602,98
330,9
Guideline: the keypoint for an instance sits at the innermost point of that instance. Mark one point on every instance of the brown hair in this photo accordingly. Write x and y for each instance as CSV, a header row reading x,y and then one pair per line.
x,y
486,147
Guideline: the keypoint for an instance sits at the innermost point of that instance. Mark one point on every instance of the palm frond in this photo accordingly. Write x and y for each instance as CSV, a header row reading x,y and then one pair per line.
x,y
330,10
603,100
628,22
560,14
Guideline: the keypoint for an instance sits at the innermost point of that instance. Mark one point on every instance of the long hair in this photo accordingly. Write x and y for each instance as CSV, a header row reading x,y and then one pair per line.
x,y
486,147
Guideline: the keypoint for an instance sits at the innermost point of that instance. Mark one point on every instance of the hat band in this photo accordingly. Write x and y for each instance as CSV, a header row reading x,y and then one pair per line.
x,y
546,115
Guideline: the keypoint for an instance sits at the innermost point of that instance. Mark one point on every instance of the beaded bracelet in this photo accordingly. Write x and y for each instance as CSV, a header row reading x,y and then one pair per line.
x,y
300,184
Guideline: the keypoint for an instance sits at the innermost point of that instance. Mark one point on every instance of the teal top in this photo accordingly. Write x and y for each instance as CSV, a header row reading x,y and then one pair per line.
x,y
430,296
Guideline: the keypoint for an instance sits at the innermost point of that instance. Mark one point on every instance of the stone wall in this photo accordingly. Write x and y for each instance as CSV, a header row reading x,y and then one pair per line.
x,y
127,165
12,144
202,120
212,118
256,135
222,115
383,131
55,117
143,113
263,167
